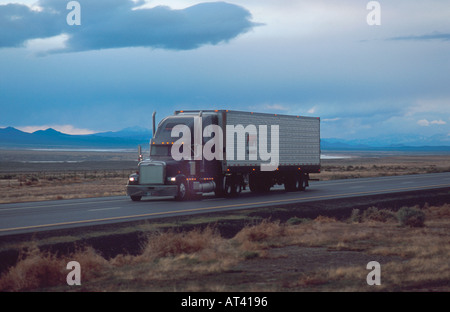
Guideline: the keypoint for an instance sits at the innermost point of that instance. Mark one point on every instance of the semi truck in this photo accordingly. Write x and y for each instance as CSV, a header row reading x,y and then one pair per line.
x,y
227,151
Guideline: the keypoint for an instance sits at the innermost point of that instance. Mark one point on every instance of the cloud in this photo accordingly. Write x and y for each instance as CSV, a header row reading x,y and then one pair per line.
x,y
426,123
331,119
423,123
107,24
275,107
438,122
312,110
20,23
433,36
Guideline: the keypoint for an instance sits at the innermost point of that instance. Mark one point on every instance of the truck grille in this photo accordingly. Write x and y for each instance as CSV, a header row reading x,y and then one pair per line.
x,y
151,173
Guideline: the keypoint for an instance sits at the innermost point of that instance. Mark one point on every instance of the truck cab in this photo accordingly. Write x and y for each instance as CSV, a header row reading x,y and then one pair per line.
x,y
162,175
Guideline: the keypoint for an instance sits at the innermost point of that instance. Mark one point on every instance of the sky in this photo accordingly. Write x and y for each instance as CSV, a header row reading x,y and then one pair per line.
x,y
321,58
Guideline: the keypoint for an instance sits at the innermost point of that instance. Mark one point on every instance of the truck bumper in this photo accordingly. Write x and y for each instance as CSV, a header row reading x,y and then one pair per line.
x,y
152,190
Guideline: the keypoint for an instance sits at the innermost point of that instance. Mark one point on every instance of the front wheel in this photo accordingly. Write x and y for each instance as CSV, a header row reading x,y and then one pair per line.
x,y
135,198
183,191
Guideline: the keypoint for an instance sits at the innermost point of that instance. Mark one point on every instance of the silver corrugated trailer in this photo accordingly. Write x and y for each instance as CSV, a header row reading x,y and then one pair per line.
x,y
299,138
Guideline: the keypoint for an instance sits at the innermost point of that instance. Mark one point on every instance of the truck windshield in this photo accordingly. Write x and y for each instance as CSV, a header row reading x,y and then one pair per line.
x,y
164,132
163,136
160,150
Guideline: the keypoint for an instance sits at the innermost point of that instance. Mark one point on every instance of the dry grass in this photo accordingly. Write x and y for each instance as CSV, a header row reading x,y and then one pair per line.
x,y
411,258
166,255
422,252
36,269
28,188
365,165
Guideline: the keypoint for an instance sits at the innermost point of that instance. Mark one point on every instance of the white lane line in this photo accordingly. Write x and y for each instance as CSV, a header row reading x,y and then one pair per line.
x,y
45,205
356,187
99,209
380,179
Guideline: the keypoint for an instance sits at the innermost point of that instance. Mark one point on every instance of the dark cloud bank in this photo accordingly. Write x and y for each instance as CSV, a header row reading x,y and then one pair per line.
x,y
109,24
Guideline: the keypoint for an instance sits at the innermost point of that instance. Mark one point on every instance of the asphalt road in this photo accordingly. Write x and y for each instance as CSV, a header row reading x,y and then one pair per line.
x,y
37,216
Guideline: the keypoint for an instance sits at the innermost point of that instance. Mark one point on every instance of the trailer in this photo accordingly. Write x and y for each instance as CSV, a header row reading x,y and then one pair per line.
x,y
225,152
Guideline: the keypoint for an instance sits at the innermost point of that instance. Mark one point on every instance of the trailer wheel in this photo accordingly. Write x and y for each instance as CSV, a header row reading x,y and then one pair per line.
x,y
228,190
237,188
135,198
291,182
183,191
252,183
302,182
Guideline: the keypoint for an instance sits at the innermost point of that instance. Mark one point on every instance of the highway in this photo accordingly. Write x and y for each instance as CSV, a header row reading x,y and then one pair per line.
x,y
38,216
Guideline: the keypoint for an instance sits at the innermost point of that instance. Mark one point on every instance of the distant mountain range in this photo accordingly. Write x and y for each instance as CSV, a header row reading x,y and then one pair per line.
x,y
50,138
439,142
130,138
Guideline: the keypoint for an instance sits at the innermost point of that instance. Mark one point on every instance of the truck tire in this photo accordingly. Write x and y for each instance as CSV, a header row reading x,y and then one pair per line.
x,y
291,182
302,182
228,190
252,183
182,190
233,186
220,189
237,189
135,198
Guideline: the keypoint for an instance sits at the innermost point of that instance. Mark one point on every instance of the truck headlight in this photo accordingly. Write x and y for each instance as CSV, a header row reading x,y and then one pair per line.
x,y
133,179
171,179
